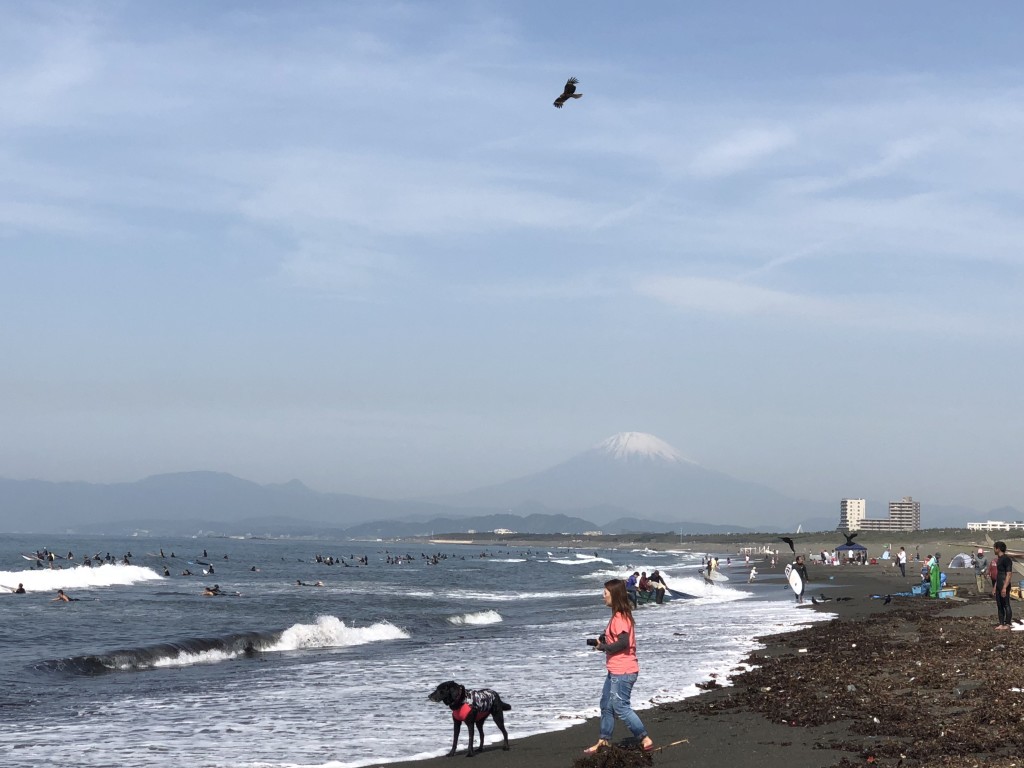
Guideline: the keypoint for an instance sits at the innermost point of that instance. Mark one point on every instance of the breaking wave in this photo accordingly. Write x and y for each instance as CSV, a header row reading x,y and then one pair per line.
x,y
480,617
79,577
327,632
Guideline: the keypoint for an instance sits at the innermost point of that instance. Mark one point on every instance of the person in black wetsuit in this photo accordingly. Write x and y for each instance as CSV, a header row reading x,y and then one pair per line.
x,y
801,568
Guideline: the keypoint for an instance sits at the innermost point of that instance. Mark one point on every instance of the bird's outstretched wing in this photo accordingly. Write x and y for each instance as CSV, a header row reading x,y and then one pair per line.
x,y
569,92
850,537
788,541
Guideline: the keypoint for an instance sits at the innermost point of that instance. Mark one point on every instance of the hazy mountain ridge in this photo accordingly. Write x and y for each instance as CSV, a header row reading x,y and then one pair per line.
x,y
631,482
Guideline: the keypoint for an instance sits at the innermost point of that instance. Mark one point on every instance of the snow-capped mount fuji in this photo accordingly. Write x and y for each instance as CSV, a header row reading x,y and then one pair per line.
x,y
635,474
640,446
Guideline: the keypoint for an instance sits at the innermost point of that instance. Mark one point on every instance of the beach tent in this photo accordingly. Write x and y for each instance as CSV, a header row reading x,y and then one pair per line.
x,y
960,561
851,550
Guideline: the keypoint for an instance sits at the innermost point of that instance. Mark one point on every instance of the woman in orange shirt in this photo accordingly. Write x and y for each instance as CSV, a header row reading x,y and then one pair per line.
x,y
619,645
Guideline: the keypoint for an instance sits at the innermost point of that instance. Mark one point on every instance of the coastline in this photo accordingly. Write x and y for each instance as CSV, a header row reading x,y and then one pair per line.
x,y
920,673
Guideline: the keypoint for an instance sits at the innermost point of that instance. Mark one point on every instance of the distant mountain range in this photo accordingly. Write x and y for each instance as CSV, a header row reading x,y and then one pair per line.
x,y
631,482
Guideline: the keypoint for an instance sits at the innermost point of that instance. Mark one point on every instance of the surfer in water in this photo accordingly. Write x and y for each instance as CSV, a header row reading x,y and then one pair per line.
x,y
61,597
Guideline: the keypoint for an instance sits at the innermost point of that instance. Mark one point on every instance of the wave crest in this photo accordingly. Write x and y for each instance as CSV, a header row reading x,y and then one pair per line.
x,y
480,617
327,632
332,632
80,577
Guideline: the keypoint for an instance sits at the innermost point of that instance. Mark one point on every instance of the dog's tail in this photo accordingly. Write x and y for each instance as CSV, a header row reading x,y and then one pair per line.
x,y
505,707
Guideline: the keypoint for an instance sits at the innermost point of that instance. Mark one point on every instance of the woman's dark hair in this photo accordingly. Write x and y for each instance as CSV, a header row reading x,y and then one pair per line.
x,y
620,598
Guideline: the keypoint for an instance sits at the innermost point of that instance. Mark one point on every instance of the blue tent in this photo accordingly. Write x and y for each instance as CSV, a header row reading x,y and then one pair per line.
x,y
851,551
851,547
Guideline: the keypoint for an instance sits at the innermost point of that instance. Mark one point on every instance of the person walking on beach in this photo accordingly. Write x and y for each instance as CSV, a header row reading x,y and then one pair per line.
x,y
801,568
619,645
1001,589
981,580
901,561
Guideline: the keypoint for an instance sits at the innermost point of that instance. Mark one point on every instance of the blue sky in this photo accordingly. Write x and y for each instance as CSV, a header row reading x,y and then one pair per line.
x,y
354,243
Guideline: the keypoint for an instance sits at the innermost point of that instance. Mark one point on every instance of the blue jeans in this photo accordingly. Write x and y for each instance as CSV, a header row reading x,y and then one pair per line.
x,y
615,703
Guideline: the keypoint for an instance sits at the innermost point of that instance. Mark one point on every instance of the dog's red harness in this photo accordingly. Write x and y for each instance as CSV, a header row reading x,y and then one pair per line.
x,y
462,713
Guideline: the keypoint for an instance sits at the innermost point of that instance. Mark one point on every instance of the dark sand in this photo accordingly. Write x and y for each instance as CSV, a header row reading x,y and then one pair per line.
x,y
930,681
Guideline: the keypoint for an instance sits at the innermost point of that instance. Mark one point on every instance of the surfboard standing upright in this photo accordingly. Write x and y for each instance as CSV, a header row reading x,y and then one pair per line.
x,y
795,581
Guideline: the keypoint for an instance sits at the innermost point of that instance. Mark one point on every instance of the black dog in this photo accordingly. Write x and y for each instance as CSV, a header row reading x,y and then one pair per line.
x,y
473,707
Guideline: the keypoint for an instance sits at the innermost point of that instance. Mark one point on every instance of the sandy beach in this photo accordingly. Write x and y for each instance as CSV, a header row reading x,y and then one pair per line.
x,y
911,682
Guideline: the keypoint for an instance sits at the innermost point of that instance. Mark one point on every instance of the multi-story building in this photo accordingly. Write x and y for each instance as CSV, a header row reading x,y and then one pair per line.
x,y
851,513
904,515
996,525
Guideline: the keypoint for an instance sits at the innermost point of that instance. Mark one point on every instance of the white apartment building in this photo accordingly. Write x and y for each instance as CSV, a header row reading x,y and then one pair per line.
x,y
904,515
851,513
996,525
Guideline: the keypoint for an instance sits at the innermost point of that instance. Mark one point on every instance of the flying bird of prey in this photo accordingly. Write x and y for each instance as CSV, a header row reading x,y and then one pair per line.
x,y
568,93
788,541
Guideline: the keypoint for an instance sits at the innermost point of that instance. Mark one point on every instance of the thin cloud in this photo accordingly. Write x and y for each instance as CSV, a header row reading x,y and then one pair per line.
x,y
710,296
741,151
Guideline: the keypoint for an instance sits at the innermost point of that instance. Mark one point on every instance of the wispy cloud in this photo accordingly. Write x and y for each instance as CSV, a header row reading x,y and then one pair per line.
x,y
741,151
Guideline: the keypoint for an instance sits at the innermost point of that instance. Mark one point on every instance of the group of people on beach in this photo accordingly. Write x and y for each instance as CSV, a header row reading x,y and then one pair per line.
x,y
641,586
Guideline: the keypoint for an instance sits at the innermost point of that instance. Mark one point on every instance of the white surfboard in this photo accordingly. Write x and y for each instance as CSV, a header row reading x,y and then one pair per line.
x,y
715,575
795,582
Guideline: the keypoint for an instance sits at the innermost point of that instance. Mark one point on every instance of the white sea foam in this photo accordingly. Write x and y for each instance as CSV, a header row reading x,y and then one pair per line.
x,y
332,632
581,560
189,659
499,597
81,577
480,617
508,559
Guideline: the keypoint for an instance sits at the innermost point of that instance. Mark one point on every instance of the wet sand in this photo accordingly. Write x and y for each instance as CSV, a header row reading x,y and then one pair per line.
x,y
915,682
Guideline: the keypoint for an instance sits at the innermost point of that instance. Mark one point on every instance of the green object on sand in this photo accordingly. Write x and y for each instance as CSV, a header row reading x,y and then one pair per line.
x,y
933,574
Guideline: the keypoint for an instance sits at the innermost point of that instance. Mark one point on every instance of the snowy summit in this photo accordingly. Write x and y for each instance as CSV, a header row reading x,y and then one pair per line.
x,y
640,445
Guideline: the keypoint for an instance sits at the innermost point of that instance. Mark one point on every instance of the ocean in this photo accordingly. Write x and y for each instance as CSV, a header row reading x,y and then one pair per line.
x,y
142,670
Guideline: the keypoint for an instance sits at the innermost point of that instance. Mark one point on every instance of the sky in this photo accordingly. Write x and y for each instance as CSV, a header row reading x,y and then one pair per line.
x,y
353,243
